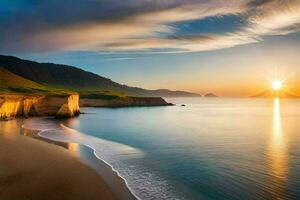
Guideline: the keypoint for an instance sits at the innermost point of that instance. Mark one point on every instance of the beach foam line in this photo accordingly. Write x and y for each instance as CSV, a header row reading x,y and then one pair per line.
x,y
62,133
141,181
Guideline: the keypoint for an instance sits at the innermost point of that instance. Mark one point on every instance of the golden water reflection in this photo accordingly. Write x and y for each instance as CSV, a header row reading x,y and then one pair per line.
x,y
73,147
277,154
10,129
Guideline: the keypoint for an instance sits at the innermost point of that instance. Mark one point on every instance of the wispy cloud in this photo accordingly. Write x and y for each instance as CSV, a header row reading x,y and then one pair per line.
x,y
133,25
119,59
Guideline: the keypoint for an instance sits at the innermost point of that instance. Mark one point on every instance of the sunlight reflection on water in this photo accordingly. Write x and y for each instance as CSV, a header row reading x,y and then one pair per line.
x,y
210,149
277,154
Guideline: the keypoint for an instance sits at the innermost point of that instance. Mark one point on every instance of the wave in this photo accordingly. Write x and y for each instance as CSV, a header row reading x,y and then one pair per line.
x,y
60,133
142,182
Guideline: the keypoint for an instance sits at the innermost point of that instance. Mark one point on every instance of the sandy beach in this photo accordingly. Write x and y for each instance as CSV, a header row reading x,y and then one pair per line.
x,y
33,169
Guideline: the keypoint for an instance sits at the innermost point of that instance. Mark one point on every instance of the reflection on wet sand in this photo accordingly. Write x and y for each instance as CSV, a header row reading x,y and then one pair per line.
x,y
73,147
10,128
277,155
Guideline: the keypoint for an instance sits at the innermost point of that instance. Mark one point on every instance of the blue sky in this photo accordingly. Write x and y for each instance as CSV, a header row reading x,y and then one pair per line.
x,y
195,45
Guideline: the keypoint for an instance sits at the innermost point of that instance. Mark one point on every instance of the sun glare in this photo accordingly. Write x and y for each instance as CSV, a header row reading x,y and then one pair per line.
x,y
276,85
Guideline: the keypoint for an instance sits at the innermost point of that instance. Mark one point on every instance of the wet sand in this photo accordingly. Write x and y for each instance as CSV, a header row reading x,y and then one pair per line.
x,y
33,169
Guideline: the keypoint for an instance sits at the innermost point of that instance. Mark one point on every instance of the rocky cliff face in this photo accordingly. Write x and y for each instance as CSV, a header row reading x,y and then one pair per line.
x,y
70,108
123,102
50,105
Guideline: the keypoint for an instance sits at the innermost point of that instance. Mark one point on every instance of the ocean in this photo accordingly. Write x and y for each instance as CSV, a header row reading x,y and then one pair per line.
x,y
212,148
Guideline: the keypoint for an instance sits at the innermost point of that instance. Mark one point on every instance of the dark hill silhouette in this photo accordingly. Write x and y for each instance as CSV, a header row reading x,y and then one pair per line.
x,y
210,95
70,77
8,79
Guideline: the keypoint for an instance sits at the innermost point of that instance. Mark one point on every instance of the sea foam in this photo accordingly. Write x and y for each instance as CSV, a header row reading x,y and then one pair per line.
x,y
141,181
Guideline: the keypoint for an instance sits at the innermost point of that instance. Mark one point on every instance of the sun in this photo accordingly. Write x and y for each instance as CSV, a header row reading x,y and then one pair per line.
x,y
276,85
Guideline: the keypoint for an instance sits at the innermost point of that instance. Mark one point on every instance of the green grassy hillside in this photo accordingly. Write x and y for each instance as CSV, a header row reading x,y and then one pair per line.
x,y
75,79
13,84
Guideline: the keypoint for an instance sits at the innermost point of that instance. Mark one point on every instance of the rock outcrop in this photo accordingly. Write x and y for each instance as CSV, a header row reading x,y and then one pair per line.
x,y
48,105
210,95
70,108
123,102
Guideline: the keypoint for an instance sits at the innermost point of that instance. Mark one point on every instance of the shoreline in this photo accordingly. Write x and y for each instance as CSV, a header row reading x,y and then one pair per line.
x,y
33,169
112,172
113,179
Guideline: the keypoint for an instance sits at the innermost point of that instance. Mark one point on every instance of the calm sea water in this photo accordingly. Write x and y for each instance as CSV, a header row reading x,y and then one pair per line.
x,y
210,149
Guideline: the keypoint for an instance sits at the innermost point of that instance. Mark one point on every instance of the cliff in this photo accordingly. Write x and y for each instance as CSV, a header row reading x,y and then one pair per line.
x,y
123,102
47,105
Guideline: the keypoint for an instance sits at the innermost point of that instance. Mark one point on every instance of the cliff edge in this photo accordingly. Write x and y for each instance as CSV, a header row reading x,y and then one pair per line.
x,y
46,105
123,102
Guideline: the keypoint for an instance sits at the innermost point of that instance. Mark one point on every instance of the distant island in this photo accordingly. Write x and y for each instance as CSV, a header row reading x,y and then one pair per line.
x,y
210,95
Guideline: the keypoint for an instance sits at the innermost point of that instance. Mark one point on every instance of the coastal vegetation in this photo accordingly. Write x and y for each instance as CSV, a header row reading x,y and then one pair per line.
x,y
32,89
49,77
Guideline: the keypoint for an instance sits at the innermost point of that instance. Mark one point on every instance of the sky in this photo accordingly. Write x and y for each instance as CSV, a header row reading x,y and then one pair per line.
x,y
229,47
